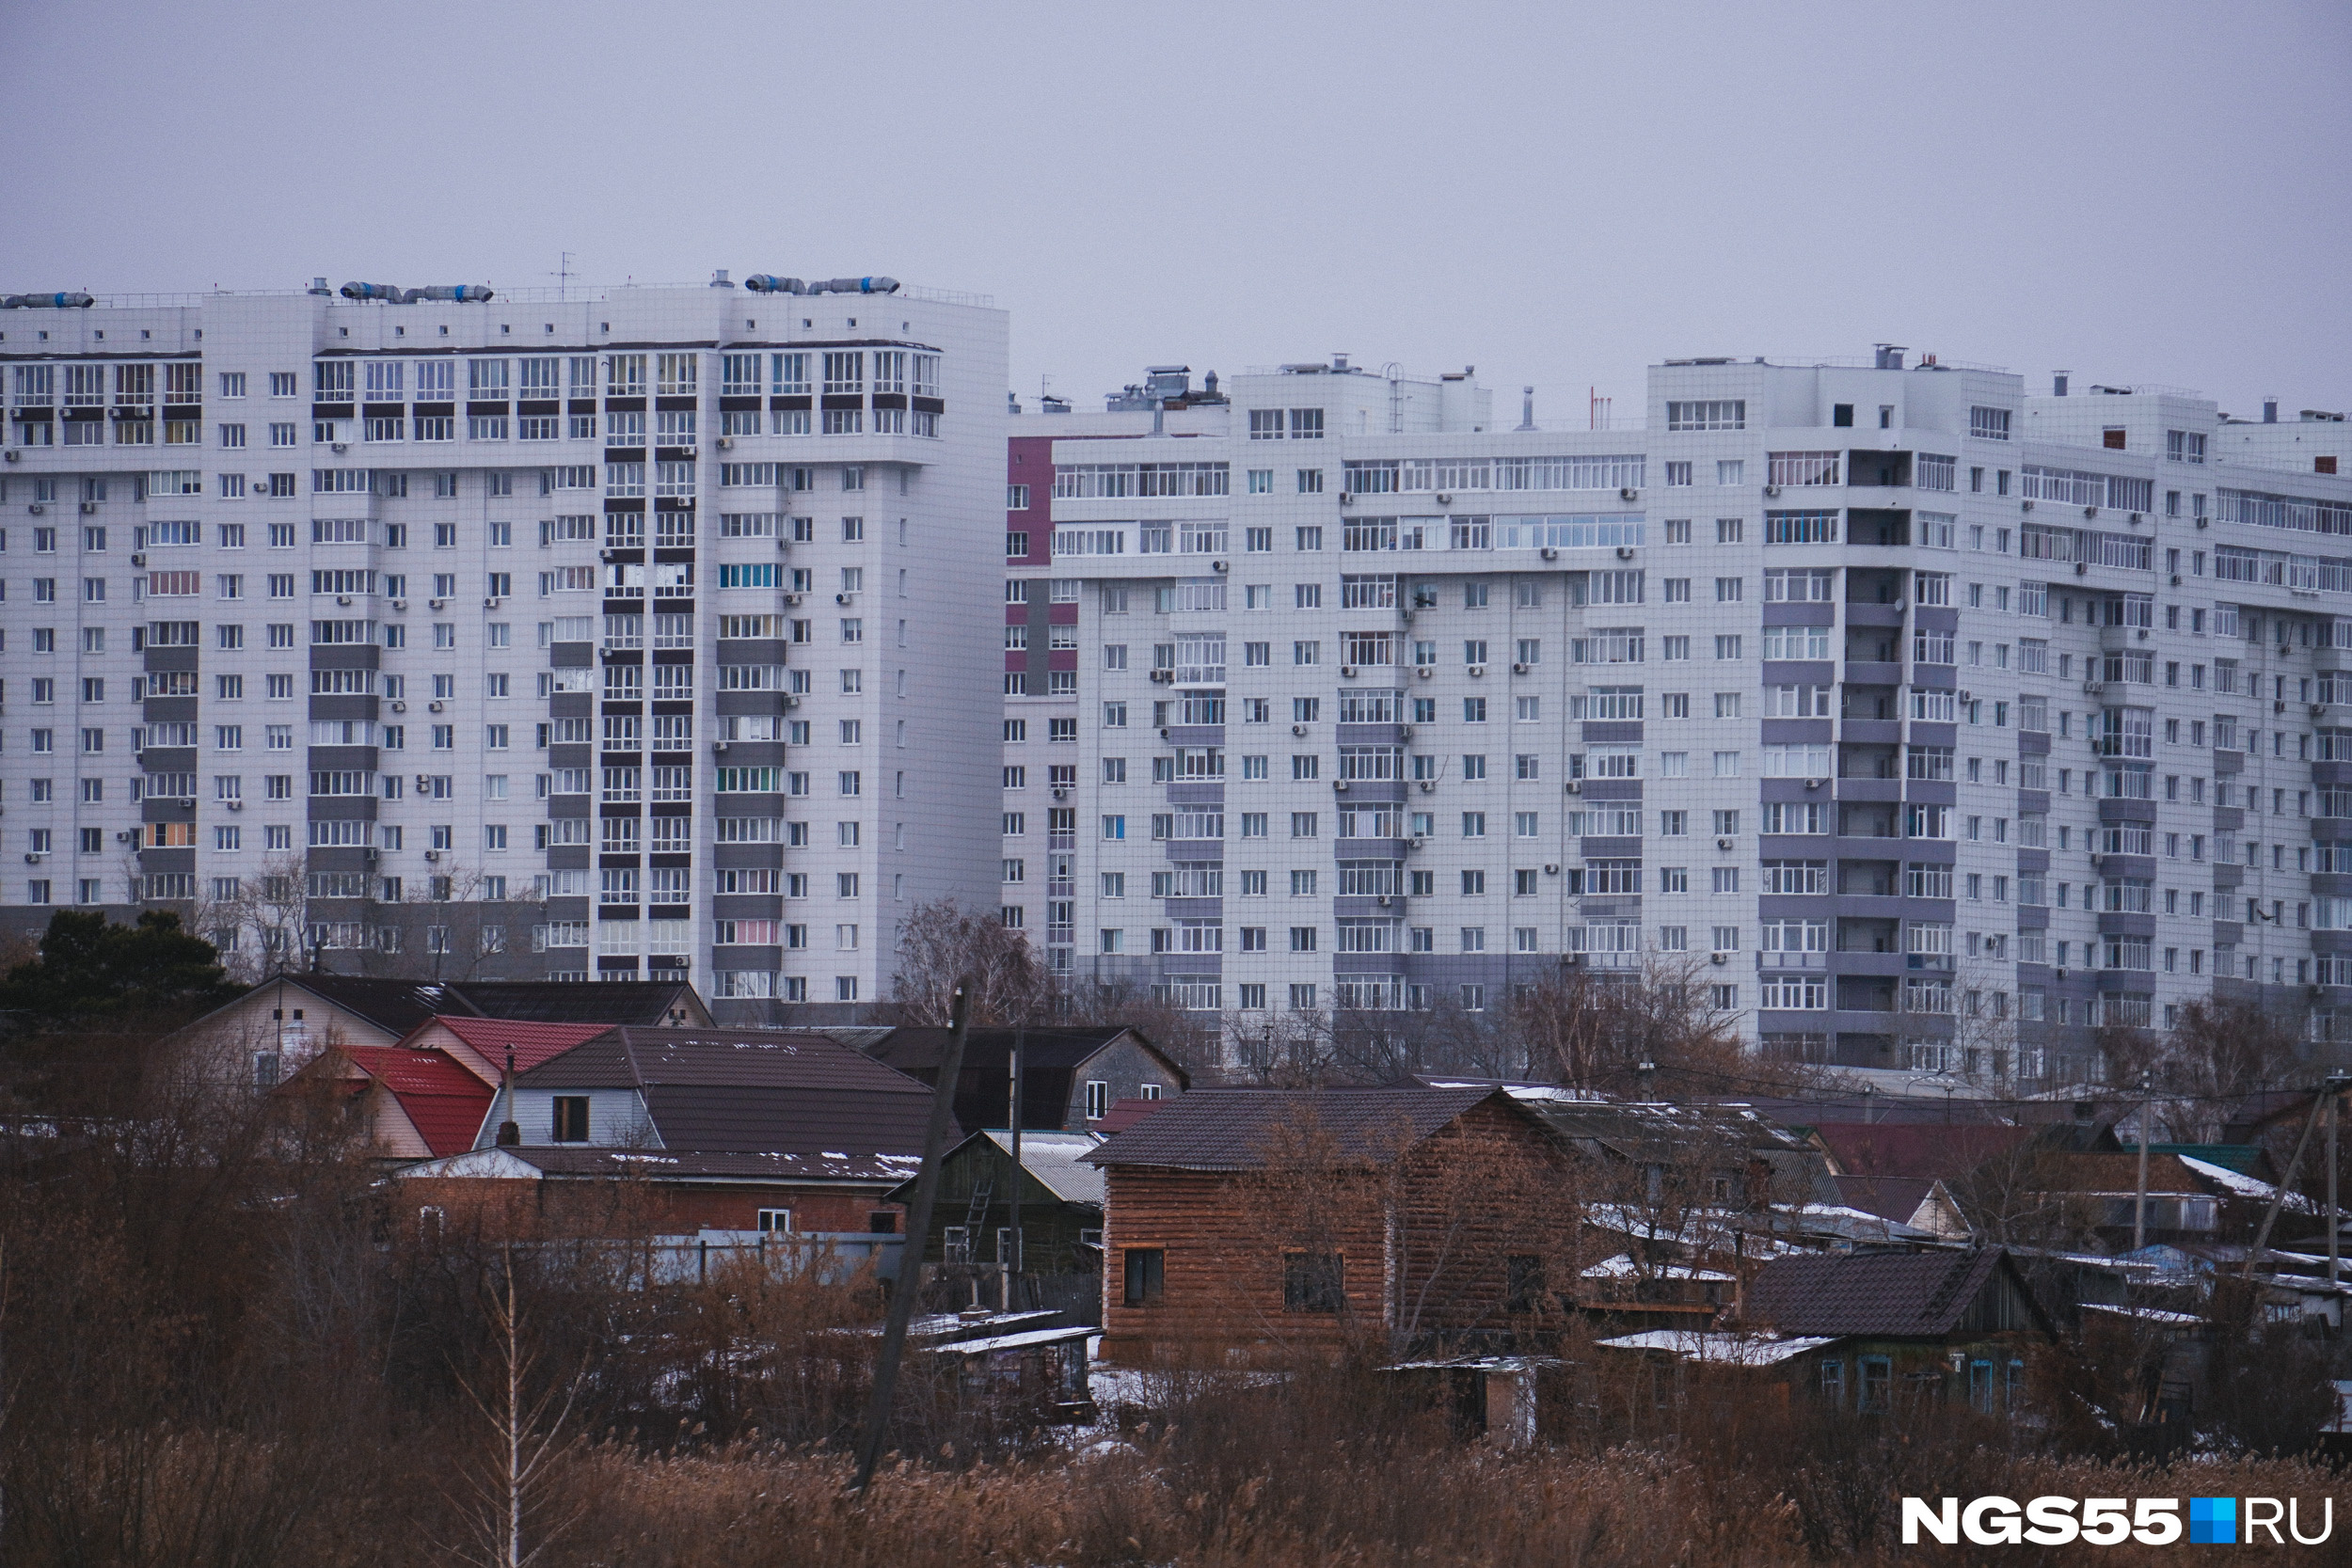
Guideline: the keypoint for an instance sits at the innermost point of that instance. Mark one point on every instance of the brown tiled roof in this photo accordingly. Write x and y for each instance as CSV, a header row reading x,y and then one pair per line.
x,y
401,1006
757,1091
1890,1198
1890,1295
1234,1129
1927,1150
1051,1060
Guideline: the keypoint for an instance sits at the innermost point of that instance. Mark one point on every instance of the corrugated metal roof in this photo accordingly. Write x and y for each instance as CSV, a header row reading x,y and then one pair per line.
x,y
719,1057
1057,1160
1734,1349
441,1096
532,1042
588,1160
1234,1129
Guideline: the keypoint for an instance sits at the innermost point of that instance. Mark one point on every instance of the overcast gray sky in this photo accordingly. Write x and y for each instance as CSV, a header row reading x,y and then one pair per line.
x,y
1559,194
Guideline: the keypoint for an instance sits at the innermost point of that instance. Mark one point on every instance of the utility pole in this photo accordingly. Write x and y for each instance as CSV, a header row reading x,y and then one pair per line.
x,y
2278,1193
2139,1191
1012,1245
2335,1217
910,1282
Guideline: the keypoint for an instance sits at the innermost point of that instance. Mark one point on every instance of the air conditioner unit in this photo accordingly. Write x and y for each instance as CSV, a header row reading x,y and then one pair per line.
x,y
432,854
435,604
726,443
2092,687
1722,844
2277,707
1551,870
32,858
424,781
13,456
2176,580
1298,729
1348,672
2135,519
1429,672
1628,494
2202,521
1477,669
1719,958
1770,491
842,598
1340,786
138,561
1548,553
1625,552
1416,843
2090,511
1445,500
1815,783
719,746
1574,787
2082,568
2026,506
1428,786
37,509
792,598
400,604
342,598
1519,669
89,509
400,708
1346,500
1385,900
1408,617
432,707
341,446
2143,634
236,805
791,702
1404,732
124,838
490,604
1163,731
1062,792
1220,566
1967,697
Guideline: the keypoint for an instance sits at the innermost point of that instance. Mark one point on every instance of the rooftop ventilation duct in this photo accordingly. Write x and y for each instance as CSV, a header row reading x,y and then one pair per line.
x,y
769,283
48,302
855,286
392,294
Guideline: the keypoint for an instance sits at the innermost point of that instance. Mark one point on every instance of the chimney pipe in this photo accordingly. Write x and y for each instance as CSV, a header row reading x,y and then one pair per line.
x,y
1527,408
2058,385
510,1131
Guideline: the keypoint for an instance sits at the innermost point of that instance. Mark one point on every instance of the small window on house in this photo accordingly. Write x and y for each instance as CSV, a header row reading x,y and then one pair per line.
x,y
1522,1283
429,1222
1146,1275
265,1071
882,1222
1151,1091
570,1122
1833,1384
2111,439
1314,1281
775,1221
1842,413
1877,1377
1098,1100
956,1242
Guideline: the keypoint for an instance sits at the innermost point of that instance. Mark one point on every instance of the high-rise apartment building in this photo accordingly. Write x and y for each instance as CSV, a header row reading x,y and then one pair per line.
x,y
611,635
1931,726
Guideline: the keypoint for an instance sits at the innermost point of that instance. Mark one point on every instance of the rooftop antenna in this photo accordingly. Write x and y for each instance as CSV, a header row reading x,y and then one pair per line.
x,y
563,274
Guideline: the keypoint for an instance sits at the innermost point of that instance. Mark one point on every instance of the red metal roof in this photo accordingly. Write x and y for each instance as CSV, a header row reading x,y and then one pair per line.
x,y
531,1043
1124,1114
440,1095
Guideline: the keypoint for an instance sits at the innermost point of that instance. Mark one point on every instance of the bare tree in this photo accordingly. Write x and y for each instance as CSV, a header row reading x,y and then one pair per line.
x,y
940,945
527,1438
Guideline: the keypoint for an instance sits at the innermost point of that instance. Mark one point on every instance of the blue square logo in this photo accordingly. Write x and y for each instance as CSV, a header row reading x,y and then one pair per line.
x,y
2213,1521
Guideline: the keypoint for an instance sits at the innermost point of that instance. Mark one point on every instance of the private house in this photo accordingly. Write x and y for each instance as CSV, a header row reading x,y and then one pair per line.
x,y
1246,1224
1061,1203
272,1030
1920,1203
1946,1325
483,1045
682,1130
1070,1078
412,1104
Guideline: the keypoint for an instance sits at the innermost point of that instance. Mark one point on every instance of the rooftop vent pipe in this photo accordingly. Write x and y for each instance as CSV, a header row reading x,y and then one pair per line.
x,y
318,286
769,283
1890,356
48,302
392,294
855,286
2270,409
1527,408
719,280
2058,383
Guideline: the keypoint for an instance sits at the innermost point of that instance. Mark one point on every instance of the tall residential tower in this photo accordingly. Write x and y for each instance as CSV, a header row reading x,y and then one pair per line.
x,y
604,634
